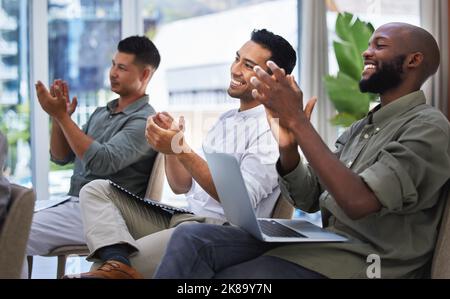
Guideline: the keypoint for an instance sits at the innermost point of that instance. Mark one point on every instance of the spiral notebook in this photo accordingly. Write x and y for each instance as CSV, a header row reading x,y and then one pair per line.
x,y
167,208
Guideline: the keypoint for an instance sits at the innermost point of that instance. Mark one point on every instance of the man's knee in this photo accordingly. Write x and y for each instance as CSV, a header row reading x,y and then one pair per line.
x,y
188,231
38,233
194,233
94,190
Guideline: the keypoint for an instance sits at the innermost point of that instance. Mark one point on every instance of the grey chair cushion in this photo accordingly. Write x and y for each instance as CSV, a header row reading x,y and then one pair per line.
x,y
15,232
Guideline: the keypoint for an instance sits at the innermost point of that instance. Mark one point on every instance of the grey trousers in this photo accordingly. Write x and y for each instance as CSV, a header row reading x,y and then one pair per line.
x,y
112,217
55,227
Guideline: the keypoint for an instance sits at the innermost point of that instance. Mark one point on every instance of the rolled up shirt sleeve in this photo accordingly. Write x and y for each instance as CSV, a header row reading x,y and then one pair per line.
x,y
69,159
71,156
122,150
301,187
410,168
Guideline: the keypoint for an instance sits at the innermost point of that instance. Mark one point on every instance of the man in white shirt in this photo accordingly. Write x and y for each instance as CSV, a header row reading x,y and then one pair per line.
x,y
128,237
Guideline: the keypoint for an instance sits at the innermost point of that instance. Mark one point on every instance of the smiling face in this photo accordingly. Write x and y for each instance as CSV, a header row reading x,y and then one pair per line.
x,y
250,55
384,62
125,76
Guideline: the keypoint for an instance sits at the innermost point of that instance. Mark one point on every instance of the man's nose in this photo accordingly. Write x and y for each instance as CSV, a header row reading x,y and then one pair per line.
x,y
113,73
236,69
367,53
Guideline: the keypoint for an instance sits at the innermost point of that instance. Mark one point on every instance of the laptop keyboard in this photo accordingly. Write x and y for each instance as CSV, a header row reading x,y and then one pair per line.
x,y
274,229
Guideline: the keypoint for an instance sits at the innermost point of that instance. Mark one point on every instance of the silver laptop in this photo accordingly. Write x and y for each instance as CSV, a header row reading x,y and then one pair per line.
x,y
238,209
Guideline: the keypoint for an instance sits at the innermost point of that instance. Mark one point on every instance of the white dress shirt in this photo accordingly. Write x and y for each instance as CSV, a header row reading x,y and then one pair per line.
x,y
245,135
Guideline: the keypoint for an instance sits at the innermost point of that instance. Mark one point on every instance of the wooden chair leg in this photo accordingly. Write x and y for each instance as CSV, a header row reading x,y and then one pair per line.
x,y
61,270
30,265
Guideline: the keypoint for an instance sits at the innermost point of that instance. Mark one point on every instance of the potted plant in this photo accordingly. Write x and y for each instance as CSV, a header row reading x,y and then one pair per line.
x,y
343,89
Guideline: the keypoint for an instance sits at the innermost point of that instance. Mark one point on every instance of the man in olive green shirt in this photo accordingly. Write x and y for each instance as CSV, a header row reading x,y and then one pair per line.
x,y
383,188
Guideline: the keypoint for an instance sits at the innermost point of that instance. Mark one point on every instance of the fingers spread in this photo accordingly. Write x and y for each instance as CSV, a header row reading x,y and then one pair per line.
x,y
259,97
260,87
263,76
310,107
278,72
293,84
74,103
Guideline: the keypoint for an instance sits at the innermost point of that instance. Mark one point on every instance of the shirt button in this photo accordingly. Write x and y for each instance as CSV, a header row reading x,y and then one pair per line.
x,y
377,129
366,136
349,164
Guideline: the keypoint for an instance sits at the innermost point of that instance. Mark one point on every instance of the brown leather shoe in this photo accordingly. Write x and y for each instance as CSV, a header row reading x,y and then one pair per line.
x,y
109,270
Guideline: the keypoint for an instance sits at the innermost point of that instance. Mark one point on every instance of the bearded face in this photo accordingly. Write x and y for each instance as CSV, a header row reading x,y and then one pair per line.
x,y
385,76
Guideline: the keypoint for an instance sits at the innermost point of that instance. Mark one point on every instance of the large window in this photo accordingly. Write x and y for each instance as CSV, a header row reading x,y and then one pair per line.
x,y
83,37
14,88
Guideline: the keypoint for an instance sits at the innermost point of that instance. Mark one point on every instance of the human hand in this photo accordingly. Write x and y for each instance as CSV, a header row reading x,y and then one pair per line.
x,y
70,105
166,121
166,135
283,136
54,105
281,95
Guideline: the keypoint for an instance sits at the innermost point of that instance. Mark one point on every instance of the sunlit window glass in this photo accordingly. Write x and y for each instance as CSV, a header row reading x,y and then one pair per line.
x,y
14,89
83,37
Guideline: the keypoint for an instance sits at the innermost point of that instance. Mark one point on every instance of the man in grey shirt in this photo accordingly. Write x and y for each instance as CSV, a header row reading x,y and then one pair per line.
x,y
5,189
110,146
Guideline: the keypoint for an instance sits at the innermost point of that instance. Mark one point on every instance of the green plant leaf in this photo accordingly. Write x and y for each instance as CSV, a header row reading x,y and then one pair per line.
x,y
343,120
361,33
354,36
351,29
344,92
349,61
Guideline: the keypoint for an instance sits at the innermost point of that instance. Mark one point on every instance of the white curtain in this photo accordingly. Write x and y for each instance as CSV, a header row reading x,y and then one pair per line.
x,y
314,65
434,19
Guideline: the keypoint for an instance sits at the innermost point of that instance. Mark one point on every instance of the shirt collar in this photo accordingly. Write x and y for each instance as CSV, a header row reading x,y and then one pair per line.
x,y
250,113
133,107
383,114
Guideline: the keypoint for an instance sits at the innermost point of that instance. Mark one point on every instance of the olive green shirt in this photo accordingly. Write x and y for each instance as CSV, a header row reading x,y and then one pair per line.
x,y
402,152
119,152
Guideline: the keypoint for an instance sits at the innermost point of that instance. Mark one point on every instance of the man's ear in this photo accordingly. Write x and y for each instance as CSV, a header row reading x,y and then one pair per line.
x,y
147,73
414,60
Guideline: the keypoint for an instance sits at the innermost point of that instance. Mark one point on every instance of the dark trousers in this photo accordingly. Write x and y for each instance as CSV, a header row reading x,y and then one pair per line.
x,y
226,252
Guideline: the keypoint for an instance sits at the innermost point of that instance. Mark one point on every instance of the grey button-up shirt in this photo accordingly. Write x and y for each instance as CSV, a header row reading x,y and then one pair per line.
x,y
120,151
402,152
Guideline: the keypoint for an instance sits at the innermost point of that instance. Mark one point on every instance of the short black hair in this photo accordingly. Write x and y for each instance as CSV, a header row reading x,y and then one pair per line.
x,y
144,49
283,54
